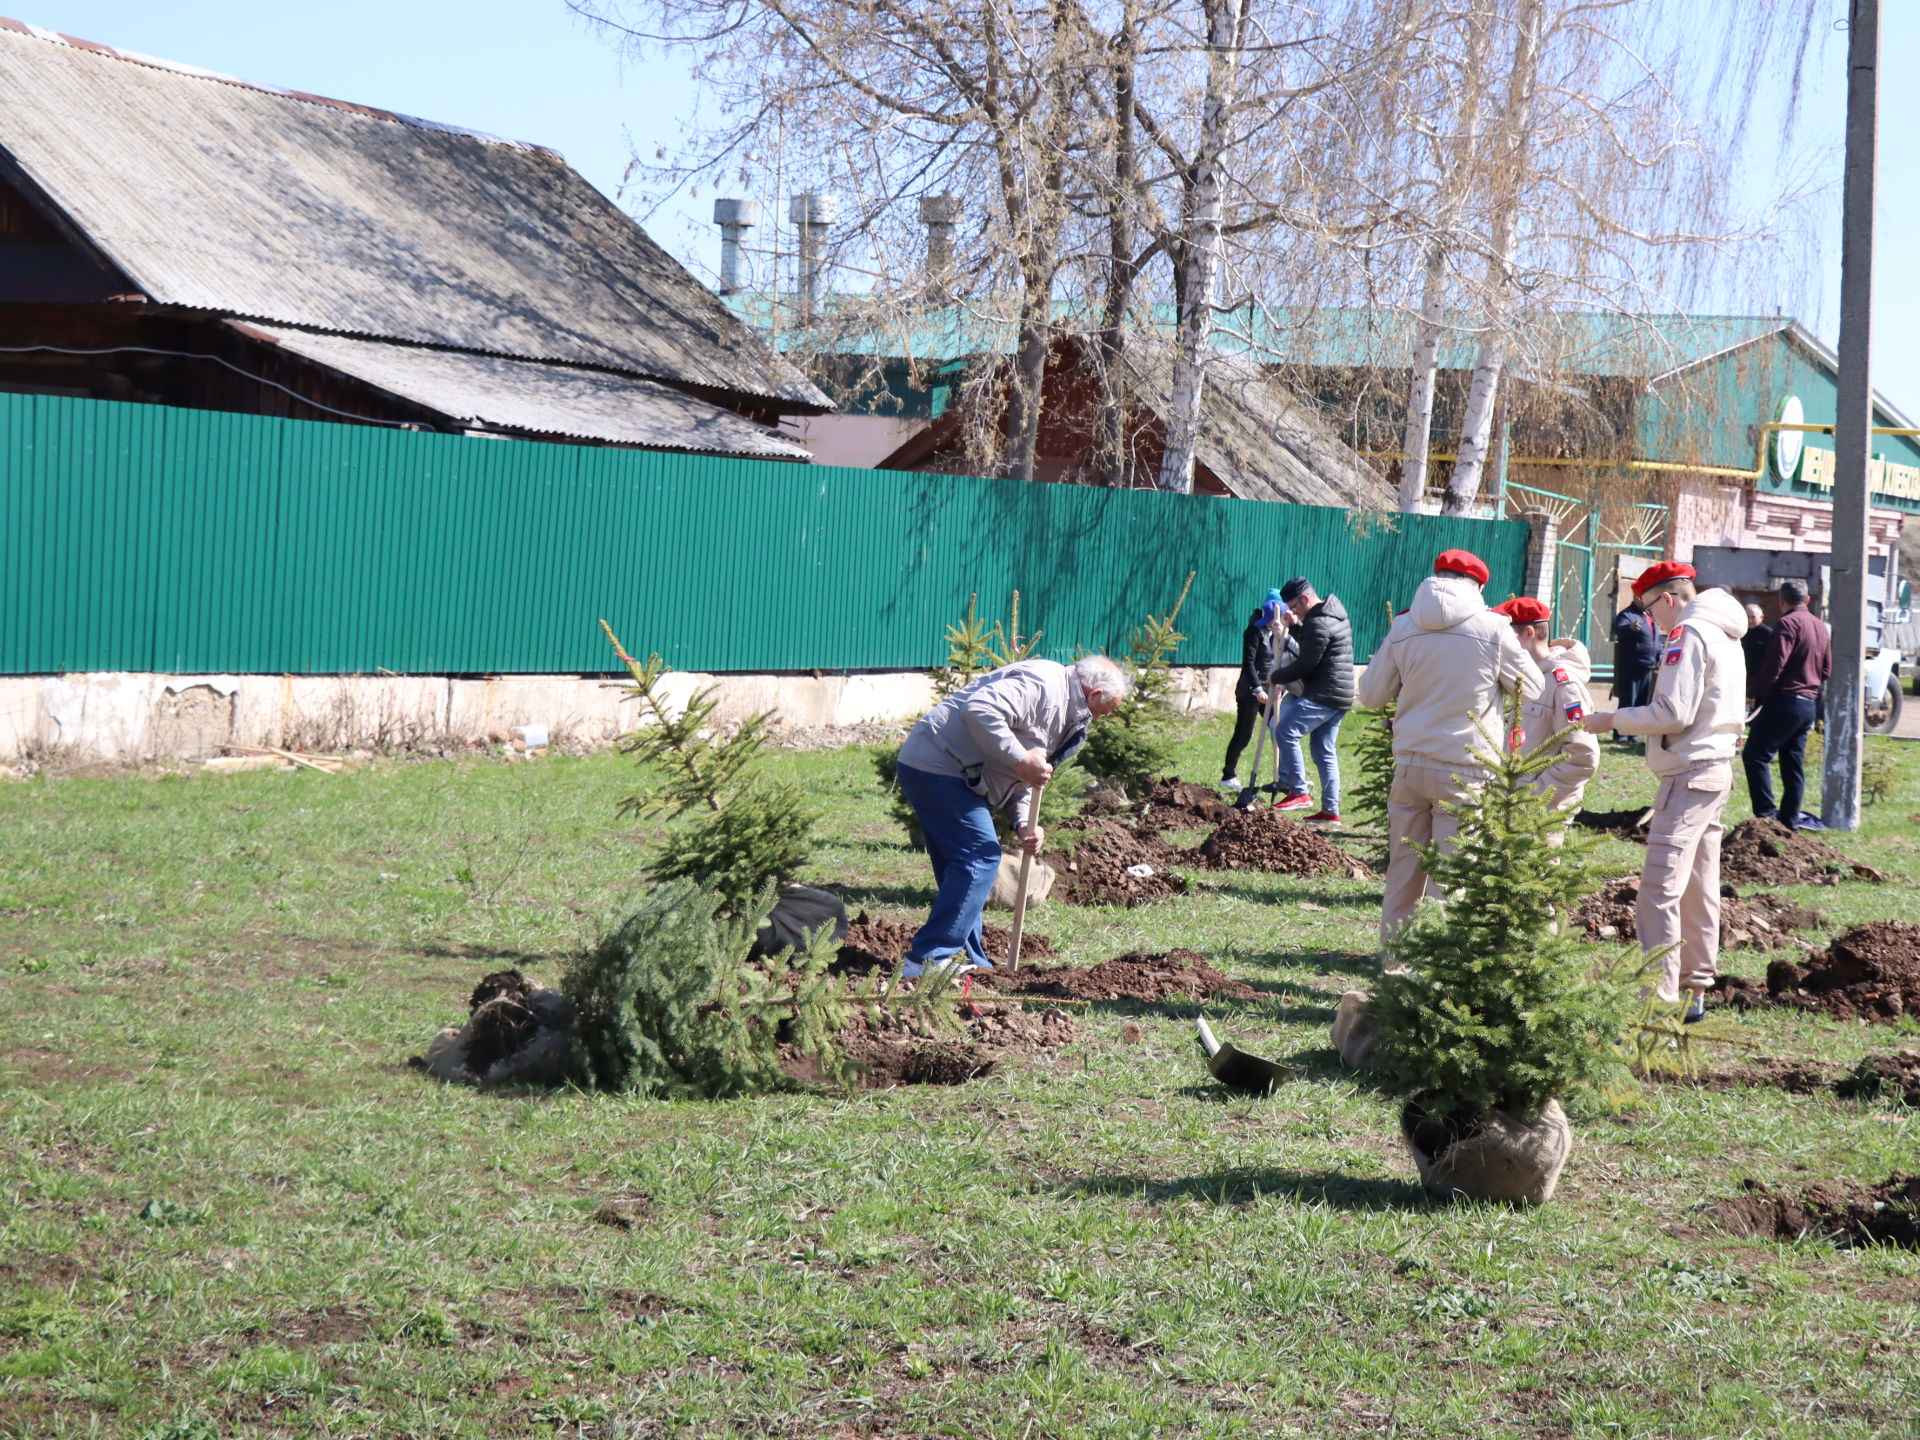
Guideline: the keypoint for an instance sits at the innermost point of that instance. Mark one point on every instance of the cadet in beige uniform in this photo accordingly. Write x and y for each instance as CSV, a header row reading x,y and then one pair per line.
x,y
1449,663
1562,705
1692,724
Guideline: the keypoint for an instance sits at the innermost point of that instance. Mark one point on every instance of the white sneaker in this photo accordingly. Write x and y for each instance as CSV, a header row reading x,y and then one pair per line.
x,y
913,970
1232,782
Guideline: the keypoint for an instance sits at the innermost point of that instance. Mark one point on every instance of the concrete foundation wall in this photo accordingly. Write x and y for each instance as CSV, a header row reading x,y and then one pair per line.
x,y
136,717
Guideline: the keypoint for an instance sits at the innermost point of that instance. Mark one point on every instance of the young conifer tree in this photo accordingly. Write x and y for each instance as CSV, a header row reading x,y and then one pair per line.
x,y
1500,1006
1137,743
750,832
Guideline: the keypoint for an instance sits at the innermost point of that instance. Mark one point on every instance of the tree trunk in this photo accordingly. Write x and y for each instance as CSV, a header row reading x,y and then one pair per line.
x,y
1426,366
1110,464
1203,248
1477,424
1029,378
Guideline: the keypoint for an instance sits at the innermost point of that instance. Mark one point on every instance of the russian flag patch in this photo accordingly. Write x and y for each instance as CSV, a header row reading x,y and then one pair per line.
x,y
1673,655
1575,714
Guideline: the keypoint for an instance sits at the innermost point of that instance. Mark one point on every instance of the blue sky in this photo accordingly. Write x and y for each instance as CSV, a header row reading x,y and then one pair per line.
x,y
530,70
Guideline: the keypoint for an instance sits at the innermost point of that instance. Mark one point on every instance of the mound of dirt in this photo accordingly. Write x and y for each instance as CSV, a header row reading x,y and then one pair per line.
x,y
889,1054
1761,923
878,944
1176,975
1176,804
1870,972
1765,852
1093,869
1896,1076
1883,1214
1623,824
1264,840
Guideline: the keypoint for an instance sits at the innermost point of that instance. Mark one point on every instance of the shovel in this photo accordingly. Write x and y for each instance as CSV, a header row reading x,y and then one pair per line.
x,y
1237,1070
1020,895
1252,790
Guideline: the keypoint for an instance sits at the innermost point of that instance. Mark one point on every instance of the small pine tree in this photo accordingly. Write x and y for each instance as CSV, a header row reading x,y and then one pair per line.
x,y
752,832
1136,744
1500,1007
1373,764
666,1003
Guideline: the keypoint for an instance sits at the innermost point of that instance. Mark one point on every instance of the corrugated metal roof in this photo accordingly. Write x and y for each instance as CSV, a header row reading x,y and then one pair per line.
x,y
218,195
1261,441
540,399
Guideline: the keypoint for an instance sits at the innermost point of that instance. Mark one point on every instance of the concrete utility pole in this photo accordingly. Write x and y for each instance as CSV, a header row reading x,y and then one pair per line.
x,y
1853,427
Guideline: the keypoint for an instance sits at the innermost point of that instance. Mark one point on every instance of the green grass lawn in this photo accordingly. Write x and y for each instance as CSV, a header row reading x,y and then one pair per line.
x,y
231,1209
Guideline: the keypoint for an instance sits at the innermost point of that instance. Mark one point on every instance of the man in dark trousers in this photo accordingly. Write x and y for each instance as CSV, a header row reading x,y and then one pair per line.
x,y
1323,668
1797,661
1636,655
1259,649
1753,645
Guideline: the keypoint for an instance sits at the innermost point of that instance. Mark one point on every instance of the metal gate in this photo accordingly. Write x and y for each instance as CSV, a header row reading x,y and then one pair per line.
x,y
1587,555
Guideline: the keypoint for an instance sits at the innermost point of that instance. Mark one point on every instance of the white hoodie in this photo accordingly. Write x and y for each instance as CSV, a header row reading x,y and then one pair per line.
x,y
1450,663
1699,691
1562,706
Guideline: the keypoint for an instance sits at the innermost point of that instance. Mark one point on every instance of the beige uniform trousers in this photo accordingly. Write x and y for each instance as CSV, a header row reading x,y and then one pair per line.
x,y
1414,815
1679,902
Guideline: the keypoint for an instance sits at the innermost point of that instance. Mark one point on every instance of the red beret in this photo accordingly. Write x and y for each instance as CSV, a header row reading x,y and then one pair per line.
x,y
1463,562
1665,570
1522,610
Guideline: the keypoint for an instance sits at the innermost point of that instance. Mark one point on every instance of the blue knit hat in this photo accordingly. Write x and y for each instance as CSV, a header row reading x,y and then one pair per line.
x,y
1270,607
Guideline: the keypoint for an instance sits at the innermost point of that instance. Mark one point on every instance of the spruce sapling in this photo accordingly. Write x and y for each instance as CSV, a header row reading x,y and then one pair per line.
x,y
1135,746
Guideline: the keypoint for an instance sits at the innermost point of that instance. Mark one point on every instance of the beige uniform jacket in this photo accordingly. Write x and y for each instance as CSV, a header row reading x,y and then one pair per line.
x,y
1562,706
1450,663
1699,692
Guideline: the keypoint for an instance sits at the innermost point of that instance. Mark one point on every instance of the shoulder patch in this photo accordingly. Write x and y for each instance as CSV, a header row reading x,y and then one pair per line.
x,y
1576,712
1675,637
1560,673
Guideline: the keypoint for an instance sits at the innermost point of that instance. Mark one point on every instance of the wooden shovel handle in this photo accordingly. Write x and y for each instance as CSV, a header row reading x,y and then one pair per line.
x,y
1020,895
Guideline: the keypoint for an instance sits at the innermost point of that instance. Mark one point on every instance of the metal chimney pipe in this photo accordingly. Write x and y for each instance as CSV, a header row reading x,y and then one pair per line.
x,y
940,214
735,218
812,215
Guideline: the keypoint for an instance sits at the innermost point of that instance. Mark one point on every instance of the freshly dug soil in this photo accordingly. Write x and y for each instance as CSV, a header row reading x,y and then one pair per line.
x,y
1762,923
1178,974
878,945
1765,852
1870,972
1625,824
1883,1214
1103,850
889,1054
502,1020
1176,804
1264,840
1893,1076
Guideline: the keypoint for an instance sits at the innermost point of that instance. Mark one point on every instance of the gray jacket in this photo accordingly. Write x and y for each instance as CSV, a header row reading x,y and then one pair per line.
x,y
981,732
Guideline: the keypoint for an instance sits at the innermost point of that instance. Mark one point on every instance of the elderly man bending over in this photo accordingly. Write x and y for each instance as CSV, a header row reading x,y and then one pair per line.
x,y
988,744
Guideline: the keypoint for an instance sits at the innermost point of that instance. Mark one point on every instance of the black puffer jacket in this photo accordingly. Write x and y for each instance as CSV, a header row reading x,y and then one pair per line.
x,y
1257,657
1325,662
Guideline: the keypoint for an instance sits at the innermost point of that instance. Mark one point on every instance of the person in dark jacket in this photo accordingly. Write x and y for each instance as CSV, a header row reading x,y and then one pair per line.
x,y
1259,651
1754,644
1323,668
1636,655
1787,682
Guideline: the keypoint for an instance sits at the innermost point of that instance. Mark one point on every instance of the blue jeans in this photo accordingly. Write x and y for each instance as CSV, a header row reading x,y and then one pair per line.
x,y
966,856
1321,725
1780,729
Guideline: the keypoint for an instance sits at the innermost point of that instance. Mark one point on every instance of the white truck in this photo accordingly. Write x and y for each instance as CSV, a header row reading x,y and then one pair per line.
x,y
1755,575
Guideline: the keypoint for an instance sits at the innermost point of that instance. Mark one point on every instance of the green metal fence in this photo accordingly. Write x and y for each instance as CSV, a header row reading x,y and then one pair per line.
x,y
136,537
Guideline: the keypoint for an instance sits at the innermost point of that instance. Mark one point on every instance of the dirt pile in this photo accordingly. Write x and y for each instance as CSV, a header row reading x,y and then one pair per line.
x,y
1622,824
1870,972
1096,858
502,1019
1764,922
1883,1214
1176,975
889,1053
1176,804
1264,840
878,944
1765,852
1889,1076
